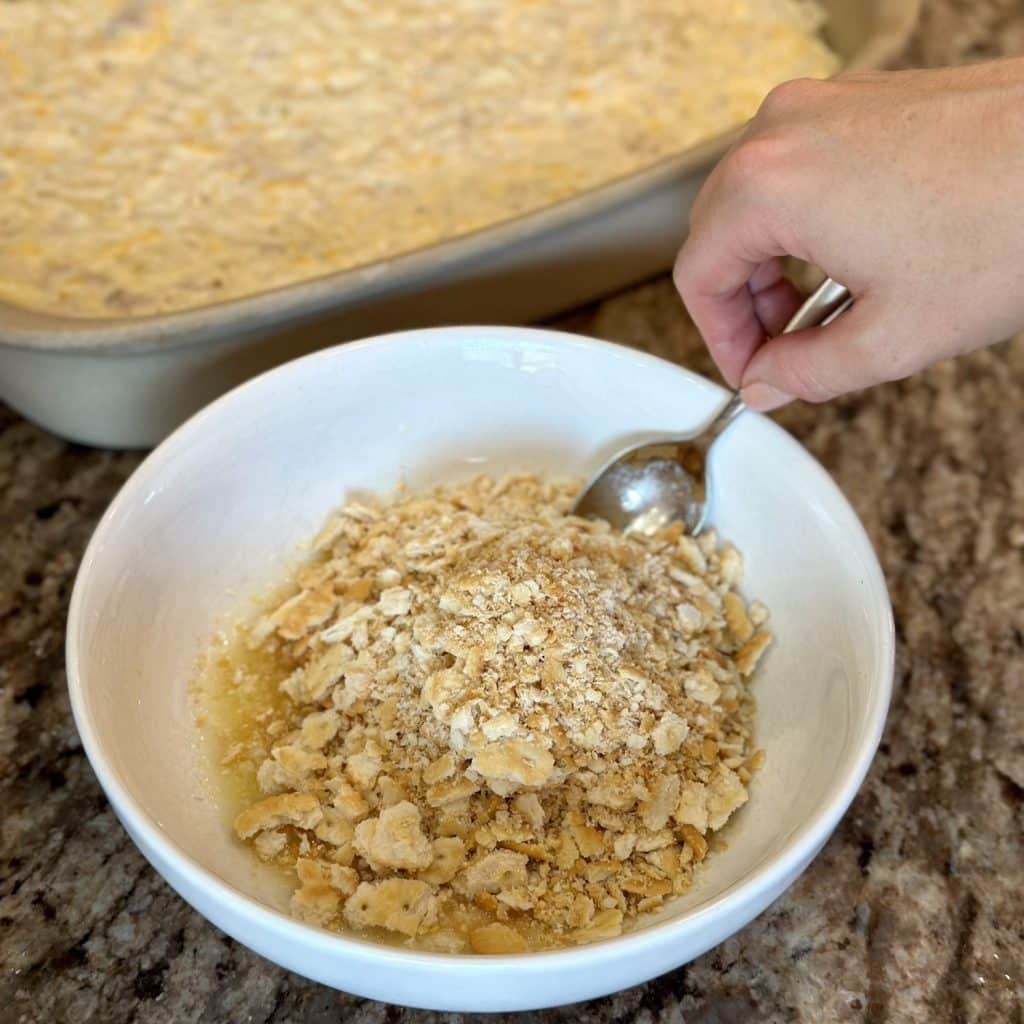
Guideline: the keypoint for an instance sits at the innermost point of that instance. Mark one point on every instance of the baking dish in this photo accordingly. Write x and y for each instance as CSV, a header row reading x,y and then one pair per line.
x,y
128,382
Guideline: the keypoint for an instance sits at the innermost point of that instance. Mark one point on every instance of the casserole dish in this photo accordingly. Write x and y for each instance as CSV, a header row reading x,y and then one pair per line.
x,y
127,382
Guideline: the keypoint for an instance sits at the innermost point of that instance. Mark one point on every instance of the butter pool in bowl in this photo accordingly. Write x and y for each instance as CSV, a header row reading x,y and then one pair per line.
x,y
219,513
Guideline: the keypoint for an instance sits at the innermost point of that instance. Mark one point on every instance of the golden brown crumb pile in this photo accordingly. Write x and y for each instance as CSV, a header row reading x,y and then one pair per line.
x,y
506,727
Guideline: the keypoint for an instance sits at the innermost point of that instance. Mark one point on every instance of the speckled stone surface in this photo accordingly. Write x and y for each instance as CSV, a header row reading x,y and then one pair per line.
x,y
913,912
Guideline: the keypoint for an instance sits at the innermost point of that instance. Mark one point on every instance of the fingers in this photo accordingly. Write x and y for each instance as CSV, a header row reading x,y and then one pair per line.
x,y
861,348
775,305
713,272
740,224
766,305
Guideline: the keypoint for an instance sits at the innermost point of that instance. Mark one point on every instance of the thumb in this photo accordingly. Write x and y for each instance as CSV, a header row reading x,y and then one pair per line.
x,y
859,348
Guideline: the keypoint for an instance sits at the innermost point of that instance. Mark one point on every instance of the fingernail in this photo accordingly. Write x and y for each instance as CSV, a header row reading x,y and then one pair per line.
x,y
763,397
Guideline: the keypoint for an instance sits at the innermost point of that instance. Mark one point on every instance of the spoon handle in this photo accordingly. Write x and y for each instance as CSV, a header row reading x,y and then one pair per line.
x,y
821,307
733,407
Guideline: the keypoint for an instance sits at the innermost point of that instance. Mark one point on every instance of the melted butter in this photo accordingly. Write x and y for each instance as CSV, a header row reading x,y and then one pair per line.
x,y
235,696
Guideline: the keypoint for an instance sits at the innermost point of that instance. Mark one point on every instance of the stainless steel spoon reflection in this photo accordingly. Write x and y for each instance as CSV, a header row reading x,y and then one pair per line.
x,y
646,487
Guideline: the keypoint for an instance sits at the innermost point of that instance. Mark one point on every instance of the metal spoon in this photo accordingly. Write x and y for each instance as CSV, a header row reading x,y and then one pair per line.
x,y
646,487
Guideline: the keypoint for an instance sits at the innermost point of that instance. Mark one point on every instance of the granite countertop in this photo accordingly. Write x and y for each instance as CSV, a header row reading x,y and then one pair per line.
x,y
913,912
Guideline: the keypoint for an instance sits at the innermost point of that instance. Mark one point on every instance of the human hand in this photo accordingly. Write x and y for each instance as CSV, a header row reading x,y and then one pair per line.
x,y
908,187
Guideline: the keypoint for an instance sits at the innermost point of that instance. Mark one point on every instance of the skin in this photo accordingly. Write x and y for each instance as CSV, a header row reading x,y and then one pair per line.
x,y
908,187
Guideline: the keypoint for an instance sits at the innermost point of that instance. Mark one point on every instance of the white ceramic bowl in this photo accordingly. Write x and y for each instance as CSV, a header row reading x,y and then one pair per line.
x,y
217,512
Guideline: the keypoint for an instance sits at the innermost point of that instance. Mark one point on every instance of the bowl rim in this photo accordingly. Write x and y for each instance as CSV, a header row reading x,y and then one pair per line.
x,y
798,849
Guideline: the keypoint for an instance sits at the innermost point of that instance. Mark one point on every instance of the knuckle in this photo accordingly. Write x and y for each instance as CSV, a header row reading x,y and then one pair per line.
x,y
693,217
861,77
681,276
812,383
787,97
691,282
759,164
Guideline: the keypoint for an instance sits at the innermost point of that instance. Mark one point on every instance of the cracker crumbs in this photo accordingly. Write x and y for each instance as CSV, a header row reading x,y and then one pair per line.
x,y
497,727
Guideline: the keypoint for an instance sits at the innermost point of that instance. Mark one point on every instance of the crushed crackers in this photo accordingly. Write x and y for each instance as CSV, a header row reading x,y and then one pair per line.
x,y
502,727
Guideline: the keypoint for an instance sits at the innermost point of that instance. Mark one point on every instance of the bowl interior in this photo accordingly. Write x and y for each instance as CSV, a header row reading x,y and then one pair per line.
x,y
221,509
